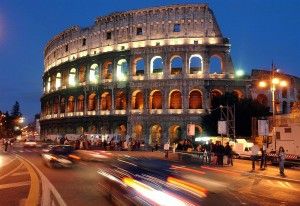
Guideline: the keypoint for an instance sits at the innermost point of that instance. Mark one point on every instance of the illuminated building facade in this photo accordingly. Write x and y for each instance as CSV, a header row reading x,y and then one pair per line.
x,y
146,73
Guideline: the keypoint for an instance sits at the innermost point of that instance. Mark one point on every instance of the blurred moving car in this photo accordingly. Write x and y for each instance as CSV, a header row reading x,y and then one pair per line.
x,y
30,144
59,156
142,181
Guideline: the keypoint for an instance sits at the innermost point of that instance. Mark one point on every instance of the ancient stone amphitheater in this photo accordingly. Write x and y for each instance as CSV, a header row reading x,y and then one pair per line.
x,y
145,73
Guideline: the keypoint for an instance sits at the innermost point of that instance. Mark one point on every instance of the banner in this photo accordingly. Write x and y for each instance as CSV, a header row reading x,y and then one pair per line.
x,y
263,127
222,127
191,129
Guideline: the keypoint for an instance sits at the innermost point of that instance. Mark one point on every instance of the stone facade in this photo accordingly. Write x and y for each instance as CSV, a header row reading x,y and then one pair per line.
x,y
145,73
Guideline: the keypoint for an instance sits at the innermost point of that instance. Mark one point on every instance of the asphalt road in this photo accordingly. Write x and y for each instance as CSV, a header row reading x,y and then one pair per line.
x,y
78,185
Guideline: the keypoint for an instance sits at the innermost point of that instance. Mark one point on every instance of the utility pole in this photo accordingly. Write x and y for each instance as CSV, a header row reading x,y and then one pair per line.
x,y
229,116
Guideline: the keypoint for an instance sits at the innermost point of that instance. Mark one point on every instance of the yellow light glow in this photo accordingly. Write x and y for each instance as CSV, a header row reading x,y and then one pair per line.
x,y
283,83
275,81
262,84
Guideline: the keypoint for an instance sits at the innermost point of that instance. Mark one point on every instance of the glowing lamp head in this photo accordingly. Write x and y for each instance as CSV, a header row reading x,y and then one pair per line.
x,y
283,83
262,84
275,81
239,73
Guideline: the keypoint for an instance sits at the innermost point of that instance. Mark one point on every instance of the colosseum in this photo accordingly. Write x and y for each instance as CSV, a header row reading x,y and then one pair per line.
x,y
145,73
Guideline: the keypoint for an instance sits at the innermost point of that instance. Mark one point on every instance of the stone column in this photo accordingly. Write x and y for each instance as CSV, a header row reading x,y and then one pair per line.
x,y
185,69
112,101
206,62
97,104
75,104
185,97
146,100
165,98
166,66
147,66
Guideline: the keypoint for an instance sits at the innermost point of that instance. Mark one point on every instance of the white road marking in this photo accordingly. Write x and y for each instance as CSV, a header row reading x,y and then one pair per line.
x,y
20,173
11,172
13,185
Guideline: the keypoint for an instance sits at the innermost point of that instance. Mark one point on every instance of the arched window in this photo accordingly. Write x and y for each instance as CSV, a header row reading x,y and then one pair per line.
x,y
137,100
107,70
156,65
156,100
176,65
72,77
120,101
71,104
175,100
215,98
139,67
82,74
92,102
195,64
195,100
122,70
215,65
80,103
105,101
93,74
62,105
284,92
58,81
48,84
56,105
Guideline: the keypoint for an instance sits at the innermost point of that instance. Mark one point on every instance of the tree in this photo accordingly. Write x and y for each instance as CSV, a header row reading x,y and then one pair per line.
x,y
16,110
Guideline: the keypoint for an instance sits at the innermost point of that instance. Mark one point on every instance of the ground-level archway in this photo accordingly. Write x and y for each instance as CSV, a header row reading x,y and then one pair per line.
x,y
155,134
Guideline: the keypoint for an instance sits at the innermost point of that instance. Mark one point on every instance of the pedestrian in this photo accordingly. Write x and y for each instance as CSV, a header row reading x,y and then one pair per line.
x,y
263,161
5,145
281,158
254,155
166,148
228,153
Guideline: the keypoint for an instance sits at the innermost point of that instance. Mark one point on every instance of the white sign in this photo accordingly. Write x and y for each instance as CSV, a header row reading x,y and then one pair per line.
x,y
190,129
222,127
263,127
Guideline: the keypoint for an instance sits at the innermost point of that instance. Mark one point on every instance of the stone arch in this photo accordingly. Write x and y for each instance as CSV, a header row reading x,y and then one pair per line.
x,y
175,99
176,63
79,130
107,70
198,130
80,103
122,70
137,132
195,99
62,105
92,129
93,74
121,130
92,102
156,65
215,64
71,105
155,134
139,66
58,80
106,101
155,99
72,77
120,100
137,101
175,133
48,108
284,92
55,105
48,84
82,74
262,99
284,107
195,64
215,95
238,93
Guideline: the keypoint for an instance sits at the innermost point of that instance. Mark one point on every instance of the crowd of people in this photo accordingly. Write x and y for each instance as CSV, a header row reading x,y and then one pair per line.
x,y
210,153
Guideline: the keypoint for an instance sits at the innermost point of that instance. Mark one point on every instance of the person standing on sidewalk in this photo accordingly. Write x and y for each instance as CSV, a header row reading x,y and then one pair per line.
x,y
228,153
263,161
167,148
254,155
281,158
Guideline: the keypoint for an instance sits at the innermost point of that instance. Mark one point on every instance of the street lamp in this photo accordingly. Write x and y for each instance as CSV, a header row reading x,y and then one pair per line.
x,y
273,85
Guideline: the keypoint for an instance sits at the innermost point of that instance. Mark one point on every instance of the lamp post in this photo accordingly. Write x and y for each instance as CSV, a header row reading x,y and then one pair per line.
x,y
273,85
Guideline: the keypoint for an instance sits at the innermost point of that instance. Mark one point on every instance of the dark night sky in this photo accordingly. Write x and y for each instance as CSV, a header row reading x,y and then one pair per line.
x,y
260,31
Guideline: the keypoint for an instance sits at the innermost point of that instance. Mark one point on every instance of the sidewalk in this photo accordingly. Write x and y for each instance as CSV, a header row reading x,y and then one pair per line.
x,y
239,166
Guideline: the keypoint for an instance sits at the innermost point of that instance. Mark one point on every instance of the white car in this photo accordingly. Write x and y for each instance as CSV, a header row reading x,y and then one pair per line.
x,y
30,143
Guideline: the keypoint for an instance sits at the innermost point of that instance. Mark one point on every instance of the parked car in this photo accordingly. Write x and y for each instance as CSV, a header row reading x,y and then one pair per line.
x,y
30,144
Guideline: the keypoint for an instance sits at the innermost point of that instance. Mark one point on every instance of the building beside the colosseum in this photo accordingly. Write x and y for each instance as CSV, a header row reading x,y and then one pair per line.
x,y
147,73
